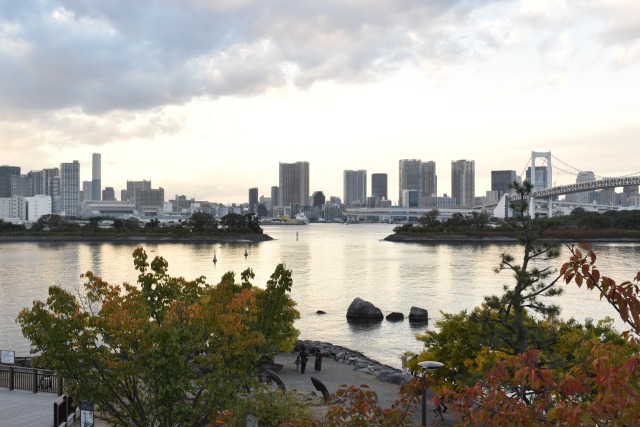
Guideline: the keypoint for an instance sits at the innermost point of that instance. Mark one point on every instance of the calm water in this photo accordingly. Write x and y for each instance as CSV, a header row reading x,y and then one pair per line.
x,y
331,263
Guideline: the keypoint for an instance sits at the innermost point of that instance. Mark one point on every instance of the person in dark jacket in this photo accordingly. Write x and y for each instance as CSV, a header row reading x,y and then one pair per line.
x,y
304,356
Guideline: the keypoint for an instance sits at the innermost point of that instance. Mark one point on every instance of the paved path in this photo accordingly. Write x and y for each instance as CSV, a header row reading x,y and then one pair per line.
x,y
19,408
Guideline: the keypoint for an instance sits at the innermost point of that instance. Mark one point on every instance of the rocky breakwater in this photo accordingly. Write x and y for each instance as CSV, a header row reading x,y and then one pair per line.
x,y
364,311
358,360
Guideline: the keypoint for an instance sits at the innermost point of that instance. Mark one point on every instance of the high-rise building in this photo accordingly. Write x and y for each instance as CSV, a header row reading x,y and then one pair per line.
x,y
109,194
253,200
21,185
134,187
428,183
70,188
355,187
87,191
501,180
294,184
584,197
42,180
463,181
379,185
6,172
541,178
420,176
96,177
409,177
318,198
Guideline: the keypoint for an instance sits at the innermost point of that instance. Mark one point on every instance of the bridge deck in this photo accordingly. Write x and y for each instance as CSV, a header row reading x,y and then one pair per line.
x,y
20,408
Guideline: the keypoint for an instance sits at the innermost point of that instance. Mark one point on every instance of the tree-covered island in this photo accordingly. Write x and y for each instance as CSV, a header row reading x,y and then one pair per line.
x,y
200,227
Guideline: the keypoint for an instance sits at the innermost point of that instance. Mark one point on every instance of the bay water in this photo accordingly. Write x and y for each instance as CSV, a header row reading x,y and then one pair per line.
x,y
331,265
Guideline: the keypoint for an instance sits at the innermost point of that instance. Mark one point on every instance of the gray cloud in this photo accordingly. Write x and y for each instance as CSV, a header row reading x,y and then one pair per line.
x,y
116,54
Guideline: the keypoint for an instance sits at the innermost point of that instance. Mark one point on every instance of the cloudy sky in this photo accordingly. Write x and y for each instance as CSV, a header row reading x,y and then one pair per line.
x,y
205,97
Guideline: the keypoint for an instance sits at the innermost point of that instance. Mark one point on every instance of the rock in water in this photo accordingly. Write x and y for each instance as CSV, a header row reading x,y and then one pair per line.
x,y
417,314
361,310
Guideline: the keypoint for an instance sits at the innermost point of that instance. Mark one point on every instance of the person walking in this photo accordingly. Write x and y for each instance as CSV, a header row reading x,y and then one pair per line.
x,y
318,365
405,368
437,403
304,356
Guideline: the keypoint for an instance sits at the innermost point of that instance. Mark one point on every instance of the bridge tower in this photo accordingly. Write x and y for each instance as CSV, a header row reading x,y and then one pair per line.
x,y
548,182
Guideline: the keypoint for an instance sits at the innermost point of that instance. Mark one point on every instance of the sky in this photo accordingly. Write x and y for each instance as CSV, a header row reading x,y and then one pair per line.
x,y
205,98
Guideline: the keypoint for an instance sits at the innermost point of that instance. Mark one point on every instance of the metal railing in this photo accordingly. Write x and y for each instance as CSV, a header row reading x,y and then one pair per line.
x,y
32,379
63,410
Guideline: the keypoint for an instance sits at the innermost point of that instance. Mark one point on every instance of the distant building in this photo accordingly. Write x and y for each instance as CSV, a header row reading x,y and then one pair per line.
x,y
318,198
379,185
584,197
150,202
355,187
87,191
541,178
21,185
294,183
420,176
6,172
109,194
410,198
253,200
111,208
463,181
43,181
96,176
332,212
134,187
501,180
70,188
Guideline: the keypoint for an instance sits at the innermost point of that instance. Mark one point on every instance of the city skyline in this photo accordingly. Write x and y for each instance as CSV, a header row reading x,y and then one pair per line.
x,y
209,110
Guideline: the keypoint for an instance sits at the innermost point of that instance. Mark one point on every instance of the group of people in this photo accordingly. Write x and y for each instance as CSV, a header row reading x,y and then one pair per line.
x,y
303,358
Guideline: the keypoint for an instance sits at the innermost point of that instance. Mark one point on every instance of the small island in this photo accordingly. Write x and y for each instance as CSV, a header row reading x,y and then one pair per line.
x,y
199,228
580,225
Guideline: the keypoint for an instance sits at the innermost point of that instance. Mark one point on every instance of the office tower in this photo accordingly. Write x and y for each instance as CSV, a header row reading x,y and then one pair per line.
x,y
318,198
253,200
109,194
428,183
87,191
6,172
96,176
410,198
463,181
409,177
294,184
134,187
583,197
379,185
69,188
501,180
42,180
21,185
355,187
150,202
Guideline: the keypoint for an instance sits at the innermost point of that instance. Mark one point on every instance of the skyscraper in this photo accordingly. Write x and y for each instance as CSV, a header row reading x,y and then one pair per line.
x,y
96,177
253,200
428,183
500,180
409,177
69,188
463,181
379,185
294,184
355,187
6,172
133,189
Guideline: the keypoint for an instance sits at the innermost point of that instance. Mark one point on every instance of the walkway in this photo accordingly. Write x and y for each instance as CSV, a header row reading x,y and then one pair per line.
x,y
20,408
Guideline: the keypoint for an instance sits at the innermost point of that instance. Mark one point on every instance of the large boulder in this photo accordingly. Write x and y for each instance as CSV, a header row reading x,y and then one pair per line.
x,y
417,314
395,316
361,310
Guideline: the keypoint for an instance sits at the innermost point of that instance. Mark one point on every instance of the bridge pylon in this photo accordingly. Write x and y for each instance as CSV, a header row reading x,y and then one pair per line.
x,y
546,181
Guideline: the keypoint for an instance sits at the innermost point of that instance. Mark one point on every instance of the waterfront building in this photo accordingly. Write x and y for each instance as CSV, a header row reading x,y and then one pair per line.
x,y
109,194
21,185
463,181
410,198
70,188
133,188
428,183
355,187
379,185
435,202
150,202
96,176
501,180
253,200
294,183
6,172
111,208
409,177
332,212
318,198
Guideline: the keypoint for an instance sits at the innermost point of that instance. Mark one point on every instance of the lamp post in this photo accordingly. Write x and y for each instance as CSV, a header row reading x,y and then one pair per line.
x,y
428,365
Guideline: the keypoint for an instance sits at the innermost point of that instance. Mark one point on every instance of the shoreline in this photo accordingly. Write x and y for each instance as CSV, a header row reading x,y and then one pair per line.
x,y
461,238
236,238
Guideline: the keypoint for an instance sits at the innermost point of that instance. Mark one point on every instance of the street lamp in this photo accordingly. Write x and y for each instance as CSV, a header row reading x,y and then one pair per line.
x,y
428,365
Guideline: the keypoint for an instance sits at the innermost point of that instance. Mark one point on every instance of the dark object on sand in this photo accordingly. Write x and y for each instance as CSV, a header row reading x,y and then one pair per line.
x,y
321,388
